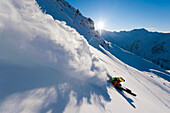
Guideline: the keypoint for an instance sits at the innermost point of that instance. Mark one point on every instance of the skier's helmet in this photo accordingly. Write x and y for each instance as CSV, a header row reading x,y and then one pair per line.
x,y
121,79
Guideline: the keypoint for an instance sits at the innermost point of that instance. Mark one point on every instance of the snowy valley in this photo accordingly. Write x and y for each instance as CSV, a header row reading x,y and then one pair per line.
x,y
47,66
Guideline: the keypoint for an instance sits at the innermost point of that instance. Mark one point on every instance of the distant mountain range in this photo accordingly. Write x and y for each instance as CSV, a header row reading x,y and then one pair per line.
x,y
153,46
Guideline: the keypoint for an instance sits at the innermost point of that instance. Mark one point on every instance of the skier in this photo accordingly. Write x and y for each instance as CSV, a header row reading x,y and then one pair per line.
x,y
116,82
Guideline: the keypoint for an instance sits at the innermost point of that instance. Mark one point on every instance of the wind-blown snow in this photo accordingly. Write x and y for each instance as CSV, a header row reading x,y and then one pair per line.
x,y
47,67
28,31
34,47
30,101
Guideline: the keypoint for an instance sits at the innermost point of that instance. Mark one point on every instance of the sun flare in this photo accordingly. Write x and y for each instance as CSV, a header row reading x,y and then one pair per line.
x,y
100,25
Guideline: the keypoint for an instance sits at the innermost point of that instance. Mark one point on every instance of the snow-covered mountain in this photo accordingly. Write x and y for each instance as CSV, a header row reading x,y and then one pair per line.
x,y
152,46
48,67
63,11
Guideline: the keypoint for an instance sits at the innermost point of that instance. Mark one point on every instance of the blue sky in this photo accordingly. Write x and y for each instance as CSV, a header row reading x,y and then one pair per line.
x,y
117,15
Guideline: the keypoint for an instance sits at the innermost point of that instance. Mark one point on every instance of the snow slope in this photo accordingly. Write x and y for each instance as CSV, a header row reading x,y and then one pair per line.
x,y
152,46
48,67
152,91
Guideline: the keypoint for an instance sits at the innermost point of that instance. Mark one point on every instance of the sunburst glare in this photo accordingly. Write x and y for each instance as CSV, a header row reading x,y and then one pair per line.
x,y
100,25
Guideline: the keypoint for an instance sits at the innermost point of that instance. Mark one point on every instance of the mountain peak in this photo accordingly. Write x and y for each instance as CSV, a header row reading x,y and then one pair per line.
x,y
63,11
139,30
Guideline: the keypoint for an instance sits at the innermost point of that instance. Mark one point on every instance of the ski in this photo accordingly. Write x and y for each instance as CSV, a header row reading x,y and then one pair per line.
x,y
128,91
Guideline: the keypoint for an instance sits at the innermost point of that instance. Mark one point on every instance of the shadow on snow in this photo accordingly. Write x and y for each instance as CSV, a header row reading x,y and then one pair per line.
x,y
129,100
18,79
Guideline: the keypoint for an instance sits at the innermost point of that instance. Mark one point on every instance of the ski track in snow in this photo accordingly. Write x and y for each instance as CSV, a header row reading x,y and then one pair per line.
x,y
147,87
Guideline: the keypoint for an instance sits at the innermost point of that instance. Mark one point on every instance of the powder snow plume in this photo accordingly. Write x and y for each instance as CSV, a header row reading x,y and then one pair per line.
x,y
44,57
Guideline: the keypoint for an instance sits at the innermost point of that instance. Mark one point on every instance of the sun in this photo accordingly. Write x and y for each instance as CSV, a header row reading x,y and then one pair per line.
x,y
100,25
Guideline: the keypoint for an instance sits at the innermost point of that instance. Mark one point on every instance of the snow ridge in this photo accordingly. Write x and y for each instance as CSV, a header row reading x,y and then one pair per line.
x,y
63,11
